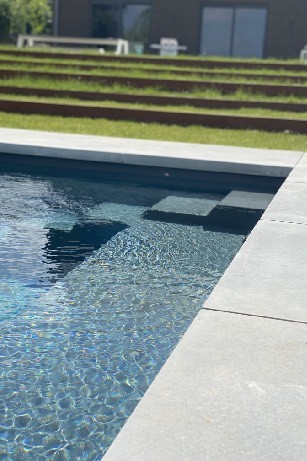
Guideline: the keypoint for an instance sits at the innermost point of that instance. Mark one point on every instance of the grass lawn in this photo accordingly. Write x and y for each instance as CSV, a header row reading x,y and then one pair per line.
x,y
193,134
177,59
158,108
103,127
240,94
135,72
22,61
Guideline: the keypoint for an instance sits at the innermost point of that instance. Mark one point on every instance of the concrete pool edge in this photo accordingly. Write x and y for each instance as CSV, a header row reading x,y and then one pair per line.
x,y
234,388
228,390
211,158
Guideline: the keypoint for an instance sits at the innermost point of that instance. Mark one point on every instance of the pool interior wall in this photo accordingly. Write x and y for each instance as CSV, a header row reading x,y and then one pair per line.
x,y
158,176
95,294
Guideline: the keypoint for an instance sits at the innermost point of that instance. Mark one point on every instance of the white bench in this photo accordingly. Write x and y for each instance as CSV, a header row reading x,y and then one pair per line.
x,y
121,46
168,47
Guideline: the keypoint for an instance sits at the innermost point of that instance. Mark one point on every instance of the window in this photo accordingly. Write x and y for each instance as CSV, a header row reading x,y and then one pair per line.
x,y
105,22
233,31
217,28
136,22
249,32
129,21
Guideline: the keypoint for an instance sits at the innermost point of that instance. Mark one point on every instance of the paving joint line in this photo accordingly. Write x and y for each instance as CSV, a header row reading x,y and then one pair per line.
x,y
303,153
254,315
292,181
284,222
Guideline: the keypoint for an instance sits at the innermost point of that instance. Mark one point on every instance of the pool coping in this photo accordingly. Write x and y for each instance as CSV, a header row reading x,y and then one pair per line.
x,y
226,159
238,393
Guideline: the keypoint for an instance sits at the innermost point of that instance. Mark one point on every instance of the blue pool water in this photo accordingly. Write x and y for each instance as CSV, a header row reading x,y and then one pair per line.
x,y
93,299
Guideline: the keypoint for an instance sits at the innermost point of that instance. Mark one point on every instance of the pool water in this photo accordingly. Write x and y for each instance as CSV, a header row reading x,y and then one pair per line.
x,y
93,298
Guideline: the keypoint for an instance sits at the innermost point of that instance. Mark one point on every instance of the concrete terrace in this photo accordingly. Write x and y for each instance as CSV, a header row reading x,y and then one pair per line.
x,y
235,386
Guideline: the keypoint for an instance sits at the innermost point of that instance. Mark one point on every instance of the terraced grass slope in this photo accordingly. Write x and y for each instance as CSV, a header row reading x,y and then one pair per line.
x,y
230,96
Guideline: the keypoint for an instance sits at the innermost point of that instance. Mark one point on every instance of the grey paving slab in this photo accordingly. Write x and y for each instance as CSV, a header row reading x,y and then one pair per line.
x,y
290,204
218,158
299,174
187,205
149,153
58,145
268,276
234,389
244,199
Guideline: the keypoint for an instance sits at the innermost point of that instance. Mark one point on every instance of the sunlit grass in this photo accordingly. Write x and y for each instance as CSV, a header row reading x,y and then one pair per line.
x,y
192,134
147,74
102,65
79,51
253,112
240,94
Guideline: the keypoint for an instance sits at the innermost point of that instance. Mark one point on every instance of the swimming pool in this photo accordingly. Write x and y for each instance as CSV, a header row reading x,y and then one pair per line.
x,y
99,280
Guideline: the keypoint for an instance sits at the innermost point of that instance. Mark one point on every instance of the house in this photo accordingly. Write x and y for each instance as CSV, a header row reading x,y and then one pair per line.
x,y
242,28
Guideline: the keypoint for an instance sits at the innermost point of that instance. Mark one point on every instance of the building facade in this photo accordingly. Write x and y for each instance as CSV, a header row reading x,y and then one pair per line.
x,y
242,28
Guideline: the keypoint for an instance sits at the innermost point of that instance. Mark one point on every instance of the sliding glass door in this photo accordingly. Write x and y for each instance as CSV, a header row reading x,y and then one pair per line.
x,y
136,22
233,31
249,32
105,21
126,20
217,31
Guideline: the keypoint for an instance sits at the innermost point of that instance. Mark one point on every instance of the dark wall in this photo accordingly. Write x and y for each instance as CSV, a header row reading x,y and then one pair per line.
x,y
287,31
75,18
179,19
286,26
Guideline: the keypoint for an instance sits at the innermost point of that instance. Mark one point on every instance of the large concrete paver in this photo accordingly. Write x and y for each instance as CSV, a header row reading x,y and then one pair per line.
x,y
268,276
299,173
149,153
233,390
290,204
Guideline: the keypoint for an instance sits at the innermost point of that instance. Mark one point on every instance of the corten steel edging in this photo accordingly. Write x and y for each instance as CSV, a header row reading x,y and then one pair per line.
x,y
158,60
208,103
200,73
171,85
154,116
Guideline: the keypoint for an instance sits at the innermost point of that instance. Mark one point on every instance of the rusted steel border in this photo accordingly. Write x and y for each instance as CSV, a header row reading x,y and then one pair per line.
x,y
168,84
199,73
158,100
154,116
190,62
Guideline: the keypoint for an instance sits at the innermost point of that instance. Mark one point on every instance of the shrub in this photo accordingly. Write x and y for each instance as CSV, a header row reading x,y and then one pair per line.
x,y
23,16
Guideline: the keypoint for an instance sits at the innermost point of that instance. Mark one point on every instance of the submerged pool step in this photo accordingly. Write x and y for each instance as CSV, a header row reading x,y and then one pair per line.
x,y
238,211
247,200
199,205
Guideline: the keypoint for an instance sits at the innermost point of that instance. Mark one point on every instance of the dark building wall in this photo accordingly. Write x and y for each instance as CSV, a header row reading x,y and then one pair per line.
x,y
179,19
286,23
286,32
75,18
